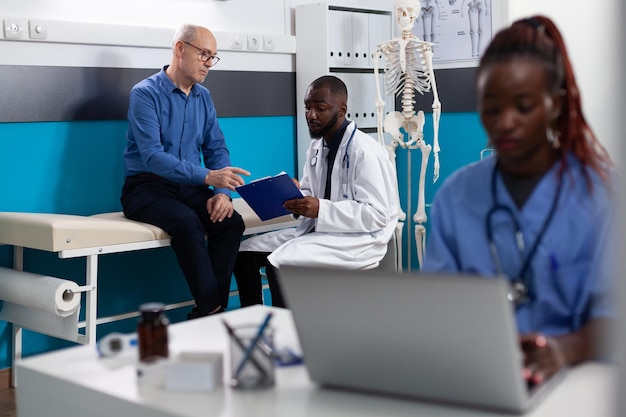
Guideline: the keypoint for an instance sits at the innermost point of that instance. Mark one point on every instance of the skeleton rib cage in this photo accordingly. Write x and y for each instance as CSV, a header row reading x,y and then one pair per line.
x,y
416,73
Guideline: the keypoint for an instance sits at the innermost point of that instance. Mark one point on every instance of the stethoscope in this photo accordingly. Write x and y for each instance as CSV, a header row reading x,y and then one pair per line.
x,y
345,161
519,292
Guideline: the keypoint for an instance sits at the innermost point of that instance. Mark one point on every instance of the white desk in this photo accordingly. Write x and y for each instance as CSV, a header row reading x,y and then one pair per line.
x,y
74,382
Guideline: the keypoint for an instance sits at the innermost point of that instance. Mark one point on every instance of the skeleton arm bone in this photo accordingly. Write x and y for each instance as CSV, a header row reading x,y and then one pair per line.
x,y
380,103
436,149
428,57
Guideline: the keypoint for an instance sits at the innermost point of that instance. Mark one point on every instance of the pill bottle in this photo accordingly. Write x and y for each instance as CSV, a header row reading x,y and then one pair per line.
x,y
152,332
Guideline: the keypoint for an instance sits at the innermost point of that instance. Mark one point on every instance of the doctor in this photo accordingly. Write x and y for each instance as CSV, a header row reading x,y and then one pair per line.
x,y
539,213
349,210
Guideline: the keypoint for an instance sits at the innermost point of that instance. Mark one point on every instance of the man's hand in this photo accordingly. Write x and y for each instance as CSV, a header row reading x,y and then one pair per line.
x,y
219,207
307,206
226,177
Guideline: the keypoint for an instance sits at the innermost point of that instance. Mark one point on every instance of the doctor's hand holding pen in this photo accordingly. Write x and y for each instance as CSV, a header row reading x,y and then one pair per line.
x,y
227,177
307,206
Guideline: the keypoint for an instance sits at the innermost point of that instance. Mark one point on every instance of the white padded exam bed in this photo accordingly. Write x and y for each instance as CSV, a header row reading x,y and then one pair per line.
x,y
73,236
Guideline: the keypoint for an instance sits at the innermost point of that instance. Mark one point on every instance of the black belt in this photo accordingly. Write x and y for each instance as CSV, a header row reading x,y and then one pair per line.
x,y
144,175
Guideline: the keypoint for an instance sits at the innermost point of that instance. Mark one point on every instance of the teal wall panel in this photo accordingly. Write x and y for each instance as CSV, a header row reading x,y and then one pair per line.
x,y
461,138
61,167
262,145
76,168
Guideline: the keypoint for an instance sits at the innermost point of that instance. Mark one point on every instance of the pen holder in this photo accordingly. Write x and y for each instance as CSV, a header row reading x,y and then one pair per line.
x,y
251,357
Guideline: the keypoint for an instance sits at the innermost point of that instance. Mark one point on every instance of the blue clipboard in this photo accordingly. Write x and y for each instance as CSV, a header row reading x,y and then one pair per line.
x,y
266,195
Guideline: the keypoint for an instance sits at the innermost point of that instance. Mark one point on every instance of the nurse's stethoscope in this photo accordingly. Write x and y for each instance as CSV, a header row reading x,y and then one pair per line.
x,y
520,291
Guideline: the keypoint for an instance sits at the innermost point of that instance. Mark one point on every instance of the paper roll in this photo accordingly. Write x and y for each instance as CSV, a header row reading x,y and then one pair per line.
x,y
41,321
49,294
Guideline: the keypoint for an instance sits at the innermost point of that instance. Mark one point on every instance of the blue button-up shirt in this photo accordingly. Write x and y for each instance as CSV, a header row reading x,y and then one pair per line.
x,y
171,134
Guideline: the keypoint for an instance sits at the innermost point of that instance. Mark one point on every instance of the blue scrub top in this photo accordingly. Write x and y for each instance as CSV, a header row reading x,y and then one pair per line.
x,y
569,272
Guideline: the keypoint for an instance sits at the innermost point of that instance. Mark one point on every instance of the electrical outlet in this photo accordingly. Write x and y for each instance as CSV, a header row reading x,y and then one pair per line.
x,y
37,29
13,28
237,40
254,42
269,43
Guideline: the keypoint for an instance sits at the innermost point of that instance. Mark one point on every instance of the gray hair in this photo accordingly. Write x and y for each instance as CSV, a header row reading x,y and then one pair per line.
x,y
186,32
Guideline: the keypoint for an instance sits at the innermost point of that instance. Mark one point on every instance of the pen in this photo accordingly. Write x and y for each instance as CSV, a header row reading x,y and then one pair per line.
x,y
248,352
239,343
554,264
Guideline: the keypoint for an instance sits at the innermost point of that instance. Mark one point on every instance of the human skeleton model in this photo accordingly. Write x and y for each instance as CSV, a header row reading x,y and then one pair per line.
x,y
476,12
409,68
428,18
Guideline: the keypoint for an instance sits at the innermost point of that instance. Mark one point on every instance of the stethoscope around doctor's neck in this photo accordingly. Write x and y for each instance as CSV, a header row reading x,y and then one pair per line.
x,y
345,160
520,291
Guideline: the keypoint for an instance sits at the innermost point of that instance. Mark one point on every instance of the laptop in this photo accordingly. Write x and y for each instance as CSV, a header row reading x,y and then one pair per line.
x,y
441,338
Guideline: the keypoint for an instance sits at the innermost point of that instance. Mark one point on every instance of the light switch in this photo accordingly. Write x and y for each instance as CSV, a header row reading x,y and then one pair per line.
x,y
37,29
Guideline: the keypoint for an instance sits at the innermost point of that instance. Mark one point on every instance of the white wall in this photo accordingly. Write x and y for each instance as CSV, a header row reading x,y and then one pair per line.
x,y
257,16
154,22
590,33
593,37
264,16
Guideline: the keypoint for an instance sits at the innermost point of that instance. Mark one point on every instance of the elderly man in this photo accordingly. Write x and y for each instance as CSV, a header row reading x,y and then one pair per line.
x,y
172,127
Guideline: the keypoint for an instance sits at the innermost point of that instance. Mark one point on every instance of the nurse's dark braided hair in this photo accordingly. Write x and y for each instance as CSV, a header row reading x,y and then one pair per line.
x,y
539,38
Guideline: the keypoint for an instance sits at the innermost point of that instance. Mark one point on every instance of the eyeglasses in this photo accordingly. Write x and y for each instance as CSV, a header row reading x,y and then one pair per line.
x,y
204,55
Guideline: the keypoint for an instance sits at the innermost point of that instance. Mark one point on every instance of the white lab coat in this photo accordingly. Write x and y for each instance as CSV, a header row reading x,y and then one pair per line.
x,y
353,227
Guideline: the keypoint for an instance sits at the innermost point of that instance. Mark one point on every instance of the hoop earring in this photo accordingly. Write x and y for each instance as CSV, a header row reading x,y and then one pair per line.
x,y
553,137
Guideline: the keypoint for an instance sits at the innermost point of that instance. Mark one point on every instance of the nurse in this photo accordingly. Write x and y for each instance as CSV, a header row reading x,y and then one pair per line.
x,y
539,212
349,208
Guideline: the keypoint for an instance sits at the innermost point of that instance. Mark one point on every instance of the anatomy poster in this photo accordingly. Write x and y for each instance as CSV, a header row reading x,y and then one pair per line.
x,y
459,29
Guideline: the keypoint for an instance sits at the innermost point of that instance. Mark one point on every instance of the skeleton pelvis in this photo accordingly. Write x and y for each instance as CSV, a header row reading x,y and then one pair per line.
x,y
397,126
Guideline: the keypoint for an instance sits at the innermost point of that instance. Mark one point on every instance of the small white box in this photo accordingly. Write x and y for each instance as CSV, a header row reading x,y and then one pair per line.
x,y
194,371
151,375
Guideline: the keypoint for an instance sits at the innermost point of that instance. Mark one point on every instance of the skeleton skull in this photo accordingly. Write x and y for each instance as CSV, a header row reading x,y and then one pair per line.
x,y
406,13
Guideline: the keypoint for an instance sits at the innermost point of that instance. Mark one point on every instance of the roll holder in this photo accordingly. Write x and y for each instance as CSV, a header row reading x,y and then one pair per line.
x,y
83,288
